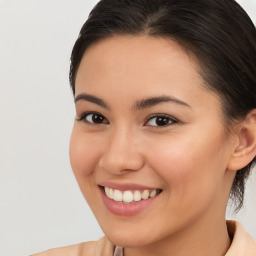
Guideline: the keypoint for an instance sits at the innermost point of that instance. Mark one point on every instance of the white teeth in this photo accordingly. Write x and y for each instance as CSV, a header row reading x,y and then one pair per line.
x,y
118,196
107,191
152,193
111,193
145,194
129,196
137,196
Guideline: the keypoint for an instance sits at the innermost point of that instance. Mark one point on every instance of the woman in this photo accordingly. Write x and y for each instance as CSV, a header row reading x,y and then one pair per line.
x,y
165,128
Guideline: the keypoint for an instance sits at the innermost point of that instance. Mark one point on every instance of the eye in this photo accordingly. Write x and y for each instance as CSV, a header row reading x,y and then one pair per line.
x,y
160,120
93,118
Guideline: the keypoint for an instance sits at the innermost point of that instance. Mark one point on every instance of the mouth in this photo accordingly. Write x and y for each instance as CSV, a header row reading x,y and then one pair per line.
x,y
130,196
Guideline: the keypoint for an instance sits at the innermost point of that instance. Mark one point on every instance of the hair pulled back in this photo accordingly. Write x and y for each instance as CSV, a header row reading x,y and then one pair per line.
x,y
218,33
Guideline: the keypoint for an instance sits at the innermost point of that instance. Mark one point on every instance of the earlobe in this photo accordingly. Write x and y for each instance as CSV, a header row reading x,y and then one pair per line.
x,y
245,149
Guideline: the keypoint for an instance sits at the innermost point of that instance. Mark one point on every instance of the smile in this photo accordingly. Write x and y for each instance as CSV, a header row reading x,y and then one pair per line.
x,y
128,200
129,196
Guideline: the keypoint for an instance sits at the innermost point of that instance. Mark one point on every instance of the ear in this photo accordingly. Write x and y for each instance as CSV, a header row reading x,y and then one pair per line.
x,y
244,149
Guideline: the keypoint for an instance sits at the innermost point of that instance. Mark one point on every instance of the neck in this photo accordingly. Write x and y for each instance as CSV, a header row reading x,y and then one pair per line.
x,y
198,239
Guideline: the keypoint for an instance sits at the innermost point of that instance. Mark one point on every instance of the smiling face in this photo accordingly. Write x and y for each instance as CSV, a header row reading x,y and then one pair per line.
x,y
146,124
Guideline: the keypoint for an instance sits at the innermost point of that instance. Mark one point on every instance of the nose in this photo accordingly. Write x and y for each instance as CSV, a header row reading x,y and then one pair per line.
x,y
122,152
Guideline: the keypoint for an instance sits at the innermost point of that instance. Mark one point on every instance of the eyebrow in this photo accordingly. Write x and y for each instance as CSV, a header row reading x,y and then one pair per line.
x,y
153,101
92,99
139,105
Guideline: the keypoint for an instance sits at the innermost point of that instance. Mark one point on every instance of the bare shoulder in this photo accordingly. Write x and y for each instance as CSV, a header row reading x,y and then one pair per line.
x,y
85,249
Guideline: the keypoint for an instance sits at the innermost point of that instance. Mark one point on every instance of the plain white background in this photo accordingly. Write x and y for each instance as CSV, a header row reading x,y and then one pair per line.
x,y
40,203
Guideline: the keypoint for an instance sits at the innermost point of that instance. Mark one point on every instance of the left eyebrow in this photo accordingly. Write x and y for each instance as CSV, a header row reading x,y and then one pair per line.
x,y
153,101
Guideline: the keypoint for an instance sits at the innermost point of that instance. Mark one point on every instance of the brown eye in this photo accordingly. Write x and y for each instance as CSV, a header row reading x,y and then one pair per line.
x,y
94,118
160,120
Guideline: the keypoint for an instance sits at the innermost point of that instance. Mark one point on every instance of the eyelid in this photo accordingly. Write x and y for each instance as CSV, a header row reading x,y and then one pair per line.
x,y
174,120
84,114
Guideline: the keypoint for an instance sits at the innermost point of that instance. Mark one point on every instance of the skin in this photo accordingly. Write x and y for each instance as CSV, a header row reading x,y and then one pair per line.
x,y
188,159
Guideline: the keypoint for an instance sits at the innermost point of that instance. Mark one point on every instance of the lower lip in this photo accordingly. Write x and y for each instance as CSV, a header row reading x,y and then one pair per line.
x,y
126,209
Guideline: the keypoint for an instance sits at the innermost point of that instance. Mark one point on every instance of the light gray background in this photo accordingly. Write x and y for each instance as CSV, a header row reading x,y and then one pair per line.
x,y
40,203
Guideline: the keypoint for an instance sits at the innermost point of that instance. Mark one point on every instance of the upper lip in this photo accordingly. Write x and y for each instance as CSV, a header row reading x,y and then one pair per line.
x,y
125,186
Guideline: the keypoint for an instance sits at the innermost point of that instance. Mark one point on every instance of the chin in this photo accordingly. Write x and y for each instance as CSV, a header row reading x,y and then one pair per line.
x,y
126,238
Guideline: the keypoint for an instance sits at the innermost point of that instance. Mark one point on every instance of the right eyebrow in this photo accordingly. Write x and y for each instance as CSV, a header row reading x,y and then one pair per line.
x,y
92,99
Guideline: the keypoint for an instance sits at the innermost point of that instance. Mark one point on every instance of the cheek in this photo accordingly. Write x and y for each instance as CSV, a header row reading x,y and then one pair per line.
x,y
192,175
84,152
190,164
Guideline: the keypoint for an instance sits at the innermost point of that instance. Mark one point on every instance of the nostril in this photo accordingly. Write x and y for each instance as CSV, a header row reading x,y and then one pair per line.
x,y
120,164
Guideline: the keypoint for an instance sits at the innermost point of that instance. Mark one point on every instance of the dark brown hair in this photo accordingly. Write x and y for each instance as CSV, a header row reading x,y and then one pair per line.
x,y
218,33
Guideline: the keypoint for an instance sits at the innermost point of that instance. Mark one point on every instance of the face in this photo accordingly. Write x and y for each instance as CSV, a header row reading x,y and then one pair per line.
x,y
149,134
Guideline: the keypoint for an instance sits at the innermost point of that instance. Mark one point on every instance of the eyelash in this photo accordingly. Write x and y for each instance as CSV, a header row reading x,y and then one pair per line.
x,y
86,114
170,120
163,117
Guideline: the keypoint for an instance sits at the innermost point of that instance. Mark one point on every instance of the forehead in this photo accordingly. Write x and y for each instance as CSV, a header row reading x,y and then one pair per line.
x,y
139,65
137,54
